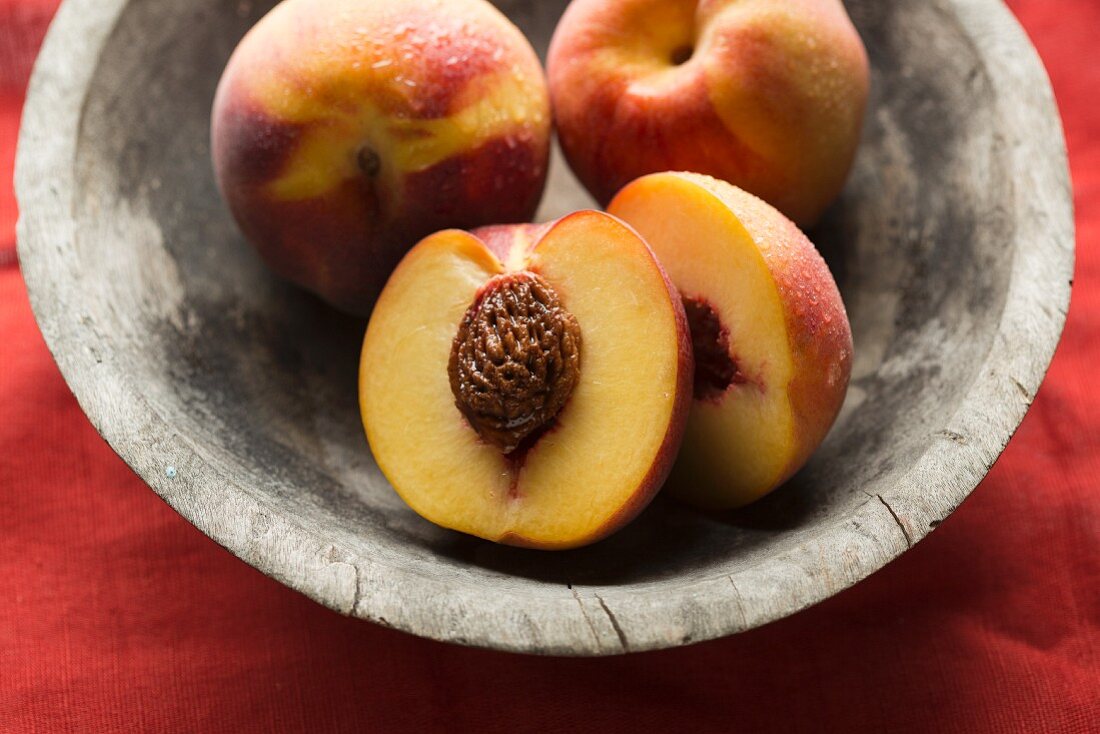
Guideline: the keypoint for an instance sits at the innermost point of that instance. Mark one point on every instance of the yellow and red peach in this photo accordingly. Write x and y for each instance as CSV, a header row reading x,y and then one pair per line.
x,y
766,94
344,131
528,384
771,338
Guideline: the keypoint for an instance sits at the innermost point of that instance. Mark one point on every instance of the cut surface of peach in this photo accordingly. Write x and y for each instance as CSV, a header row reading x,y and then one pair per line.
x,y
770,334
598,460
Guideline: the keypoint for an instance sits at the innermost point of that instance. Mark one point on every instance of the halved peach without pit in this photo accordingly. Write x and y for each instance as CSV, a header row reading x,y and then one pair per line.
x,y
772,342
528,384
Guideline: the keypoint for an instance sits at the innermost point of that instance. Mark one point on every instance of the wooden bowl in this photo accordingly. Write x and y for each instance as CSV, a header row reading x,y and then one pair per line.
x,y
233,394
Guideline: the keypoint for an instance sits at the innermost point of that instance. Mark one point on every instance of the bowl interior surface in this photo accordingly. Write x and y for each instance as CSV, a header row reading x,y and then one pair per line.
x,y
249,385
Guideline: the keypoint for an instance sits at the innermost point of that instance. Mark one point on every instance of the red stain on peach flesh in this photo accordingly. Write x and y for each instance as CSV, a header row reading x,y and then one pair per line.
x,y
715,369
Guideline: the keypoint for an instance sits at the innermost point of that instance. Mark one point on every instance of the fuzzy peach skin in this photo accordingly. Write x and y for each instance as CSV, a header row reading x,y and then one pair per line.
x,y
345,130
783,331
603,457
766,94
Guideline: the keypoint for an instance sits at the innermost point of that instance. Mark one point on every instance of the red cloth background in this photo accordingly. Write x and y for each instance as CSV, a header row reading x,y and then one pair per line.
x,y
116,615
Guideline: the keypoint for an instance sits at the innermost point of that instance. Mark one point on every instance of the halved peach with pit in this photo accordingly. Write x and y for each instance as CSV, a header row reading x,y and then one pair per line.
x,y
771,338
528,384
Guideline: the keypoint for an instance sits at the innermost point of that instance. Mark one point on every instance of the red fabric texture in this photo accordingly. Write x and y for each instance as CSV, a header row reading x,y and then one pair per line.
x,y
117,615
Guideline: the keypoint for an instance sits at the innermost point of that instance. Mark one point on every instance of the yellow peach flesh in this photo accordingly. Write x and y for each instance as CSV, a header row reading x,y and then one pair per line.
x,y
405,390
744,439
609,436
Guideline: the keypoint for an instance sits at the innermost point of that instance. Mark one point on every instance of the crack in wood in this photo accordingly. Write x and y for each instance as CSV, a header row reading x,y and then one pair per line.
x,y
901,525
740,602
1023,390
614,623
953,436
584,613
358,590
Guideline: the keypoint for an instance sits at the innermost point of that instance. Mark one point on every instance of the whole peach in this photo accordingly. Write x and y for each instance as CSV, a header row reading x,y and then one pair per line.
x,y
344,131
766,94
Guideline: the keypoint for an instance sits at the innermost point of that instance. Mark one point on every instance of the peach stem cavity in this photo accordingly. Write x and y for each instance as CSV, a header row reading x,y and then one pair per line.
x,y
682,54
369,161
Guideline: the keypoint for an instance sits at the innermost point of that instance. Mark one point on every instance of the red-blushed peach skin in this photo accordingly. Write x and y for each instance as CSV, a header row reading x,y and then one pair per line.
x,y
771,98
511,242
609,450
787,330
345,131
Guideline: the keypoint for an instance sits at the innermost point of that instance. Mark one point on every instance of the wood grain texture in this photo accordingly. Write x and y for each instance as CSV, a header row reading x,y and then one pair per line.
x,y
233,395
